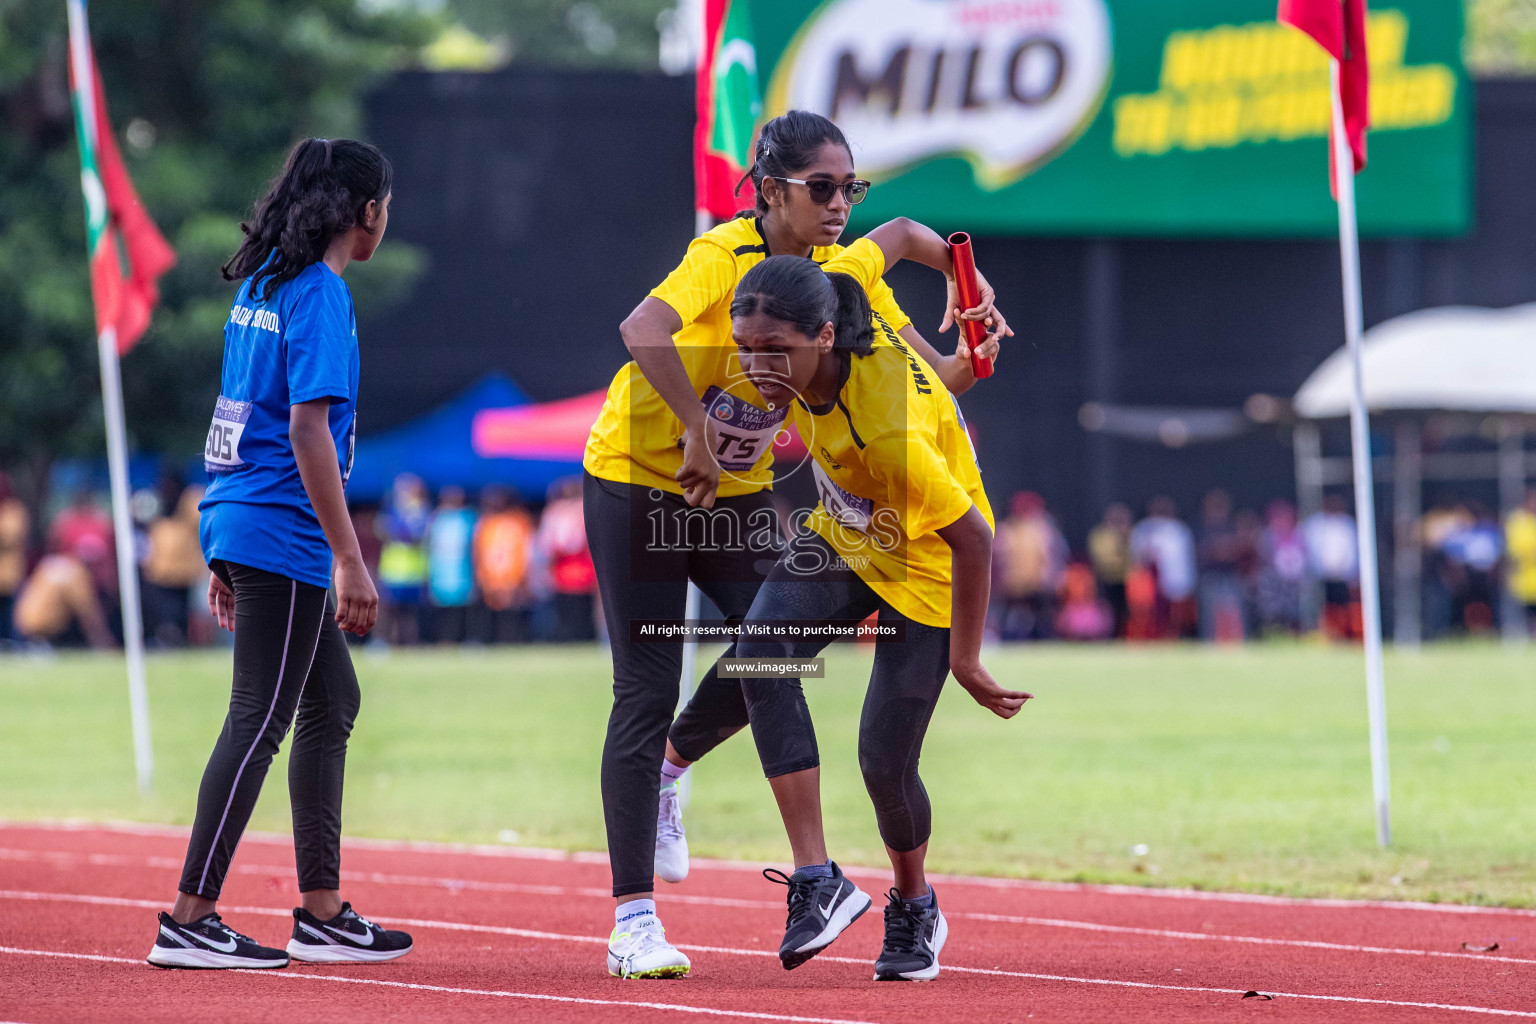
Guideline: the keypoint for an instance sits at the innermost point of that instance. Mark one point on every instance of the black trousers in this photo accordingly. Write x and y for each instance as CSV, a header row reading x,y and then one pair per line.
x,y
646,545
290,658
904,687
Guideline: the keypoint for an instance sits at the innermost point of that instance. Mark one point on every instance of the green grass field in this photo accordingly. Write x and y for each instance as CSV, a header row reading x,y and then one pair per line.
x,y
1238,769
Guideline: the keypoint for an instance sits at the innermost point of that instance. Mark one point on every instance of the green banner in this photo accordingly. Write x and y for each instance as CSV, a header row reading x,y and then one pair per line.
x,y
1127,117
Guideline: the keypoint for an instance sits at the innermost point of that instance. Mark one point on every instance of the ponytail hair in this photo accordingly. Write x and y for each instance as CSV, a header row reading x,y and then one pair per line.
x,y
796,291
785,147
323,190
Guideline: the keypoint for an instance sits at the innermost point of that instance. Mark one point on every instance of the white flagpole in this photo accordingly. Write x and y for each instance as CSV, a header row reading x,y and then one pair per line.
x,y
127,566
117,443
690,662
1360,438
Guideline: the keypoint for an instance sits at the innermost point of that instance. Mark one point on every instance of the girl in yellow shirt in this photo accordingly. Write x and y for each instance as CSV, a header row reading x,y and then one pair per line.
x,y
678,471
903,529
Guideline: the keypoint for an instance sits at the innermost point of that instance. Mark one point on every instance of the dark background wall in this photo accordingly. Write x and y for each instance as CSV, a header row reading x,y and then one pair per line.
x,y
550,205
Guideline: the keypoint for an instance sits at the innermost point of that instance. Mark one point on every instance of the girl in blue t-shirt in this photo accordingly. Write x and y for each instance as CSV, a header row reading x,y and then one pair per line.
x,y
274,528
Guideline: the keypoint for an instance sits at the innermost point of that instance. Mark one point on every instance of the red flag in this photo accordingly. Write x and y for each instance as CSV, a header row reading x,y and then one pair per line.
x,y
118,225
729,102
1339,28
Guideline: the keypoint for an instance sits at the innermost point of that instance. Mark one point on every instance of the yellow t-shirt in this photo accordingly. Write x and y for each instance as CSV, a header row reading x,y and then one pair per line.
x,y
893,465
637,439
1520,540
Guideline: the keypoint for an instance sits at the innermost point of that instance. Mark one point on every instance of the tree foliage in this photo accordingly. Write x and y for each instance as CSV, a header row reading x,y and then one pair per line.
x,y
569,33
206,97
1501,37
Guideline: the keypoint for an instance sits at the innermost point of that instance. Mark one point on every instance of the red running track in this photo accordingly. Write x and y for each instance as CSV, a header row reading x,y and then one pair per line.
x,y
510,934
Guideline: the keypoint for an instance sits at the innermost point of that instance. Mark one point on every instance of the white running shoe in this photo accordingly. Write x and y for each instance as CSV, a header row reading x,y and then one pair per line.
x,y
671,839
642,951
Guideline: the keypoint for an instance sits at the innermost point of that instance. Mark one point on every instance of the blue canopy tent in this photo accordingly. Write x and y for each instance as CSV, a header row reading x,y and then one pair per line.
x,y
439,448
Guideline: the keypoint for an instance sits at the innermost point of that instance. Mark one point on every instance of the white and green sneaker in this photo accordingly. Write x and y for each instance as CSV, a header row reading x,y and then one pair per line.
x,y
638,948
671,840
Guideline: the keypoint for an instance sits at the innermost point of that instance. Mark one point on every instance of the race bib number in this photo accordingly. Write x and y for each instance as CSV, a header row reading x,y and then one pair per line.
x,y
222,453
739,432
850,510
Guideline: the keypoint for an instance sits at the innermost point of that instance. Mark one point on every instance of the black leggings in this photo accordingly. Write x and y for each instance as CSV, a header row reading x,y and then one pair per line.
x,y
289,657
908,675
646,545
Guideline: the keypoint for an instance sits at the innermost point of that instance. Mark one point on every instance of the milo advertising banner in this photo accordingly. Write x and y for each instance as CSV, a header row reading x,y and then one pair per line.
x,y
1121,116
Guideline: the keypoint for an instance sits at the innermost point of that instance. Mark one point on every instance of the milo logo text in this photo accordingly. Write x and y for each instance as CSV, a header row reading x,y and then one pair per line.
x,y
1006,84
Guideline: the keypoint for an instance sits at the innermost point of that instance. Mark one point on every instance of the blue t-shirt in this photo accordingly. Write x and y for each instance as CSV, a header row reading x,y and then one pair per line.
x,y
450,563
298,347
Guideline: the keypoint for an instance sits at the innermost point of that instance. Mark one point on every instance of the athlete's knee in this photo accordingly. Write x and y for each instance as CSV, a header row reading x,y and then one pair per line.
x,y
643,704
638,724
339,722
890,775
760,648
882,773
344,710
773,700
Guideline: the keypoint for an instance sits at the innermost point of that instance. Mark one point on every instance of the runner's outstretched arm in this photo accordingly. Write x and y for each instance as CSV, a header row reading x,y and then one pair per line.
x,y
970,544
906,239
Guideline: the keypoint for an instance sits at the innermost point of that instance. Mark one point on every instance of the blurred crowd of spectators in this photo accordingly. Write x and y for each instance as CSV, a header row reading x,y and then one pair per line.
x,y
489,572
1239,574
495,571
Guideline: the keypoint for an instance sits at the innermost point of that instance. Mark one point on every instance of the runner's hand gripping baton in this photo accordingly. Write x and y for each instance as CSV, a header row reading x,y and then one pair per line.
x,y
970,297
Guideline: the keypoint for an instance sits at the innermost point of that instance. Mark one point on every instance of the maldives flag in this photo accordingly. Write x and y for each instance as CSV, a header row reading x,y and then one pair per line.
x,y
1338,26
116,223
729,104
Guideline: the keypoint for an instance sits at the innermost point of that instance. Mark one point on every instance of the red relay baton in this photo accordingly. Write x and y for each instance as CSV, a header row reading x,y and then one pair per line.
x,y
970,298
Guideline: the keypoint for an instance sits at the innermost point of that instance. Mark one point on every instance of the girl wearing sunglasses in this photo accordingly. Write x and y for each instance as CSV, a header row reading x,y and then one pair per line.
x,y
683,443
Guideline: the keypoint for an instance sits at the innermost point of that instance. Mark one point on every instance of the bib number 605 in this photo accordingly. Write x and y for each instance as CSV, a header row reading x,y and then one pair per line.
x,y
221,442
222,452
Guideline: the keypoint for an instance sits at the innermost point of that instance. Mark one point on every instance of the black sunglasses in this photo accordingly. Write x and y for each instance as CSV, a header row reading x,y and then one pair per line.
x,y
821,190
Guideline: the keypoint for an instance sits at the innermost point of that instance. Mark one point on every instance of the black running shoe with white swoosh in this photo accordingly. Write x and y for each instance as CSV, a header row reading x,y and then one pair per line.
x,y
347,938
819,910
210,943
913,937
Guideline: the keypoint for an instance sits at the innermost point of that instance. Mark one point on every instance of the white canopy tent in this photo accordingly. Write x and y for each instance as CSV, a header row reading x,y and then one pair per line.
x,y
1479,363
1450,359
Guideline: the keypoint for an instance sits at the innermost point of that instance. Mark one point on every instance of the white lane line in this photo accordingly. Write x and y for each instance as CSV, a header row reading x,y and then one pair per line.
x,y
62,859
721,901
417,987
1201,895
452,926
1070,979
1492,1011
589,857
1166,933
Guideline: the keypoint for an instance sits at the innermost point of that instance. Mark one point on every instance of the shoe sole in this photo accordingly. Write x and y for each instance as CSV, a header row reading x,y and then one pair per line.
x,y
666,971
672,876
207,960
940,935
342,954
655,973
847,912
